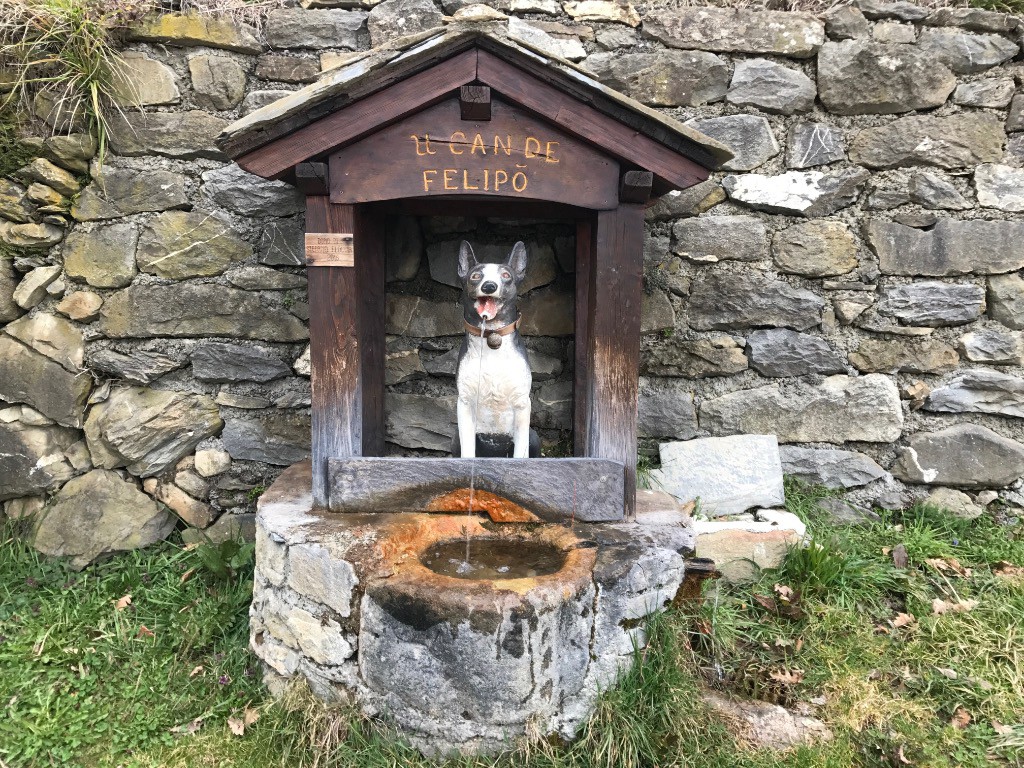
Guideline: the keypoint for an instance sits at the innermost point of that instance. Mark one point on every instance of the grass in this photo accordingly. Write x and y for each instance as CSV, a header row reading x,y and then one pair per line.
x,y
837,630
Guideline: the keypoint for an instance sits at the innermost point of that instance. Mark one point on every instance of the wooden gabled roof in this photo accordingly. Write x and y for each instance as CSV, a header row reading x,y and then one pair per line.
x,y
383,85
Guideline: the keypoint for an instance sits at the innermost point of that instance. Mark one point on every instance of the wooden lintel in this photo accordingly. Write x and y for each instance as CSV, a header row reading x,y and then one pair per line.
x,y
475,102
636,187
311,179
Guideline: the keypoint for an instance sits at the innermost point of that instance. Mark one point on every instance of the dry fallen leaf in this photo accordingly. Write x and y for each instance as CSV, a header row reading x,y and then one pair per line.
x,y
237,726
251,716
123,603
1000,729
196,670
187,575
145,631
900,557
189,728
940,606
902,757
787,676
903,620
949,565
947,672
961,718
784,592
1008,571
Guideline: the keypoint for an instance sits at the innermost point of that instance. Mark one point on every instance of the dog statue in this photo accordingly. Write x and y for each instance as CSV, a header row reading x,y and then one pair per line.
x,y
493,377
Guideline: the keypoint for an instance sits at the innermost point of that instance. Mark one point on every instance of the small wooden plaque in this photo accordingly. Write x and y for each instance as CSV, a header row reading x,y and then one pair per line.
x,y
330,250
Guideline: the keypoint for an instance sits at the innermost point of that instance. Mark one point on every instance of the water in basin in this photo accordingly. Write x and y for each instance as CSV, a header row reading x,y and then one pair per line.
x,y
494,559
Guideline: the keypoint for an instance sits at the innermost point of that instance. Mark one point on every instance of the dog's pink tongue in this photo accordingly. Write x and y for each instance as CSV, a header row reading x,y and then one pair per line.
x,y
487,308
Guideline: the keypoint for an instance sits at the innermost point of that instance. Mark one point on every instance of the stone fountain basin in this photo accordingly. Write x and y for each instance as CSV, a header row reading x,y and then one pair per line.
x,y
345,601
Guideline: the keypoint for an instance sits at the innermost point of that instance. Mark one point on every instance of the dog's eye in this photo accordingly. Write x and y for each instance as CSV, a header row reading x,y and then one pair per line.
x,y
477,276
506,276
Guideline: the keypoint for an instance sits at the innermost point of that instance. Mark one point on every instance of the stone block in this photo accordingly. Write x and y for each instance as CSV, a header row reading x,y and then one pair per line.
x,y
840,409
26,376
725,475
815,249
1001,187
903,355
555,490
965,53
32,455
933,304
274,437
317,573
667,78
863,77
717,355
421,318
118,192
813,144
96,515
536,37
744,300
666,409
716,238
224,362
139,81
186,31
951,248
196,309
300,28
979,390
770,87
237,190
182,135
392,19
217,81
965,455
953,142
779,352
829,467
735,30
741,549
104,257
140,367
797,193
994,346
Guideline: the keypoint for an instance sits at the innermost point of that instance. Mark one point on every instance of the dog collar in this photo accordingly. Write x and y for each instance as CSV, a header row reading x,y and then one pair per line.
x,y
494,336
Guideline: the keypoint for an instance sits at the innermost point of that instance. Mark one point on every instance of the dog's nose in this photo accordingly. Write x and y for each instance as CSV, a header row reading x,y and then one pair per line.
x,y
488,287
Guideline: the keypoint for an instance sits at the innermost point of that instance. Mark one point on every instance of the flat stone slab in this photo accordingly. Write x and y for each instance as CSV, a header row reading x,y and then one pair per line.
x,y
728,475
555,490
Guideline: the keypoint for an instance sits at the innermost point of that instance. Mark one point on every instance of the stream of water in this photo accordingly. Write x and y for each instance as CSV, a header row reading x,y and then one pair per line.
x,y
465,567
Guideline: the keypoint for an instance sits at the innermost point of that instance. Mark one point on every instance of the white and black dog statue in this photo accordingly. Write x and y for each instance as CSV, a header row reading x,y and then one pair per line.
x,y
493,377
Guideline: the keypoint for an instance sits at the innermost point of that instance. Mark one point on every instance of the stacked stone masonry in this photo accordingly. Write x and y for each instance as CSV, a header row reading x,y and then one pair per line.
x,y
850,281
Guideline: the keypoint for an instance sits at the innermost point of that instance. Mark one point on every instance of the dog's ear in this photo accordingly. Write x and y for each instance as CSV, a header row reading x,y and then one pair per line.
x,y
517,261
467,259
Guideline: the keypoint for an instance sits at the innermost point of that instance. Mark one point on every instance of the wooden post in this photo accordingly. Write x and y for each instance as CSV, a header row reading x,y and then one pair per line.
x,y
613,340
370,279
582,395
334,350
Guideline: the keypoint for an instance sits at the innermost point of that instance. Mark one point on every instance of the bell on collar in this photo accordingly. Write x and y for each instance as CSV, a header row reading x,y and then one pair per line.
x,y
493,339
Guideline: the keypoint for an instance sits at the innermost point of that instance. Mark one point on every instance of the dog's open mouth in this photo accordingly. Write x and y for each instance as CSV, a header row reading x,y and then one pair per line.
x,y
487,307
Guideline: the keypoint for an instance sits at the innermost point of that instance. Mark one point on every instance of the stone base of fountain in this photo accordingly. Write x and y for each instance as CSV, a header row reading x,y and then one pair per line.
x,y
348,602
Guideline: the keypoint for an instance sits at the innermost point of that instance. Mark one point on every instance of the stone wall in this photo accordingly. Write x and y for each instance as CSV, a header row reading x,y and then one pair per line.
x,y
851,280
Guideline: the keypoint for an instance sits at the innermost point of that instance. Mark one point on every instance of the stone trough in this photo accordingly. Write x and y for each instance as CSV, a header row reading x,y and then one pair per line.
x,y
348,602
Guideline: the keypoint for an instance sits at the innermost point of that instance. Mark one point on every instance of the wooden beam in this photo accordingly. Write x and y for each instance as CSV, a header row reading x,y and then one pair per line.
x,y
613,343
581,390
334,350
636,187
311,179
588,123
370,278
362,117
475,102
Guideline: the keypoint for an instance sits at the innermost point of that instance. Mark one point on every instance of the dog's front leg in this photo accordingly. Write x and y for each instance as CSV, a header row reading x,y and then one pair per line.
x,y
521,438
467,430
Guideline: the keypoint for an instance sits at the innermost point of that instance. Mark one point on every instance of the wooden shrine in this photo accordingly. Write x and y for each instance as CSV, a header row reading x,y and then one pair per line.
x,y
467,121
